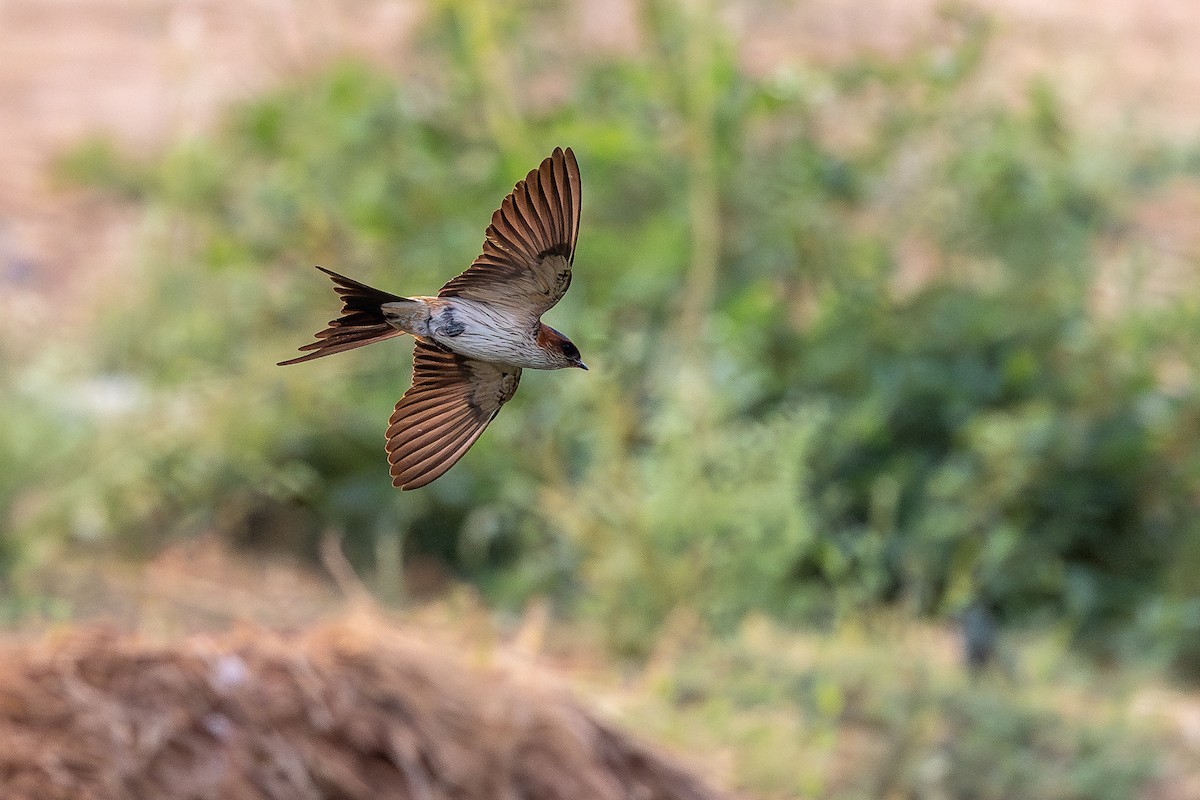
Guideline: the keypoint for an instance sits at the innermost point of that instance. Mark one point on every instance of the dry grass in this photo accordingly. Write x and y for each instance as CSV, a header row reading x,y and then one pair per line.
x,y
352,709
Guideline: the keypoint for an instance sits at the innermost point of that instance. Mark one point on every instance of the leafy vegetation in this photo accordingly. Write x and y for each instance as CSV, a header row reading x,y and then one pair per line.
x,y
873,712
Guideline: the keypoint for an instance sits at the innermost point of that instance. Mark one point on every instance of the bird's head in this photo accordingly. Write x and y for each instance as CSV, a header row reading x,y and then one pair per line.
x,y
560,351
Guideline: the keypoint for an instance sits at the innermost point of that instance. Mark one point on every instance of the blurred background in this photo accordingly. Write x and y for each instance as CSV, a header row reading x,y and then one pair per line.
x,y
883,482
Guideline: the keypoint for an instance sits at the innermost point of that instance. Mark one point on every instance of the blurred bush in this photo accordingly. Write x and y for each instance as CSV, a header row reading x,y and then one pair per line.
x,y
780,416
868,712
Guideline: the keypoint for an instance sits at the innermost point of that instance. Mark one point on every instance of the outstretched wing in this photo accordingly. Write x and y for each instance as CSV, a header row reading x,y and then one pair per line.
x,y
530,244
451,401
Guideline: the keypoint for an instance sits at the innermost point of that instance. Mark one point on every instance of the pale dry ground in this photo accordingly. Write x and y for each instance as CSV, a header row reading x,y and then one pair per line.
x,y
146,72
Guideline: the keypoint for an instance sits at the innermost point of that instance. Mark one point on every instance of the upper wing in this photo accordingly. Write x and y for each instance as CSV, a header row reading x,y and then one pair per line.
x,y
530,245
452,399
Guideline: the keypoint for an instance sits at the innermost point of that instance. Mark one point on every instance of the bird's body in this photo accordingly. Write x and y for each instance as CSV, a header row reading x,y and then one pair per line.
x,y
479,332
476,329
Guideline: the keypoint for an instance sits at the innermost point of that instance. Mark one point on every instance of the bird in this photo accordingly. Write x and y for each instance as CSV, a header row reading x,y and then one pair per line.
x,y
479,332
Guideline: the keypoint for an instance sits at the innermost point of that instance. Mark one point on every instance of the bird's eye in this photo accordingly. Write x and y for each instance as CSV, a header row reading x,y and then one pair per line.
x,y
570,350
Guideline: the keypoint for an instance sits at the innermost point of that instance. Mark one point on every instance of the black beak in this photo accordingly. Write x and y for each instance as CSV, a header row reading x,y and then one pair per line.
x,y
581,365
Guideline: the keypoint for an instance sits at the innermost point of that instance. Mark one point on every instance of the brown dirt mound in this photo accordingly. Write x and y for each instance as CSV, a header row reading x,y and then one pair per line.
x,y
344,711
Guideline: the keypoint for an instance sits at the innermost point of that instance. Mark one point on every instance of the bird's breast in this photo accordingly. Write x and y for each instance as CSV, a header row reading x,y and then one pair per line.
x,y
486,332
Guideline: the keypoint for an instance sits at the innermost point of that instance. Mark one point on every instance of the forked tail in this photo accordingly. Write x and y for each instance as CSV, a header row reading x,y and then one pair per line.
x,y
362,321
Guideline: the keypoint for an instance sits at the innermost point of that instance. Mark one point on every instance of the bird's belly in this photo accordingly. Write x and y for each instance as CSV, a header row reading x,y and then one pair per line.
x,y
479,331
489,345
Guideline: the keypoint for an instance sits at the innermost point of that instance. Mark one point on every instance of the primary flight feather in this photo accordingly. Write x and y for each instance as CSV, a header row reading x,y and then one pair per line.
x,y
479,332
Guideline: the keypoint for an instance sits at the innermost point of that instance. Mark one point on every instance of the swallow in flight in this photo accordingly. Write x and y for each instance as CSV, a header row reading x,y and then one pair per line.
x,y
479,332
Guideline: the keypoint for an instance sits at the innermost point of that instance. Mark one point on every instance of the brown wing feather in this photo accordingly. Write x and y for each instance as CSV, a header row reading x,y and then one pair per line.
x,y
530,244
450,403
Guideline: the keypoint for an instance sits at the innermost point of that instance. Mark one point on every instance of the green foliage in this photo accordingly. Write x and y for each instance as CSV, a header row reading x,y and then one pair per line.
x,y
1020,447
682,519
872,714
770,424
